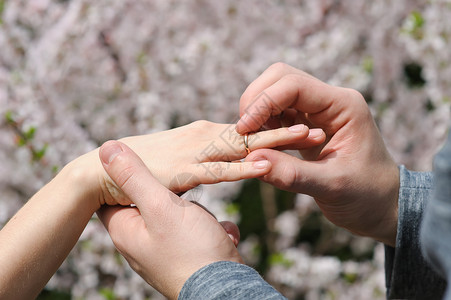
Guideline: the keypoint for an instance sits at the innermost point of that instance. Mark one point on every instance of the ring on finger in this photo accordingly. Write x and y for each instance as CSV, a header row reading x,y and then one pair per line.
x,y
246,143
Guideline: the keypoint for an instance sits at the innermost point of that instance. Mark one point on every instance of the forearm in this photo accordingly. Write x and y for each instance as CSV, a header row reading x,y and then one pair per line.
x,y
39,237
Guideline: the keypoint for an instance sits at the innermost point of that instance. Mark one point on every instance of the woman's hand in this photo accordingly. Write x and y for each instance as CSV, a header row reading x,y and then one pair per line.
x,y
203,153
352,177
165,239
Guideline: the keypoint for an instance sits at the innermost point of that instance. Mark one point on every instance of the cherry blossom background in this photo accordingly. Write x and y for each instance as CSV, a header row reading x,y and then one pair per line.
x,y
75,73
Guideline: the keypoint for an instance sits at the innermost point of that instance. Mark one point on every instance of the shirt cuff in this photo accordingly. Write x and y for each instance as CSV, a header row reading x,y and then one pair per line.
x,y
227,280
407,274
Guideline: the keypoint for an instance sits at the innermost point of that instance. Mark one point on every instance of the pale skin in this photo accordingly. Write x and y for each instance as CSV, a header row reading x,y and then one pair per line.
x,y
352,176
35,242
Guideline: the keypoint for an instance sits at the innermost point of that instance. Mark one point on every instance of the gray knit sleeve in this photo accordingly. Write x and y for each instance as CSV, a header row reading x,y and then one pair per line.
x,y
227,280
408,275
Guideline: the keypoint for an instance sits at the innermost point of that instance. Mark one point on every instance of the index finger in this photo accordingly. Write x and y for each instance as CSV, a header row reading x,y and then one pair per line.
x,y
299,91
270,76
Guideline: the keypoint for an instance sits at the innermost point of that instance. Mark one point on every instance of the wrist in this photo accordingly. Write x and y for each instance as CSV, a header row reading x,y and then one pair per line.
x,y
373,212
388,225
84,175
384,210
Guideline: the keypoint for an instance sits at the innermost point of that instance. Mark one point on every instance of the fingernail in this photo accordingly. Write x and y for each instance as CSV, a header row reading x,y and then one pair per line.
x,y
110,152
316,132
297,128
234,241
261,164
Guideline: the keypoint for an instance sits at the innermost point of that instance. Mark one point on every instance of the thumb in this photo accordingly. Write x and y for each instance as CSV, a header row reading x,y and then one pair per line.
x,y
291,173
130,174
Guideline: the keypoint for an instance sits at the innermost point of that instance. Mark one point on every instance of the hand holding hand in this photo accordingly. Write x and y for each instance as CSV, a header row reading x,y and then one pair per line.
x,y
165,239
201,152
352,177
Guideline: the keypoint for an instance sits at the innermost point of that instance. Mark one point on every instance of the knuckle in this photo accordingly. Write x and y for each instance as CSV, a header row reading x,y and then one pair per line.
x,y
285,177
198,128
217,173
358,102
293,178
201,124
354,95
292,78
278,67
241,169
124,176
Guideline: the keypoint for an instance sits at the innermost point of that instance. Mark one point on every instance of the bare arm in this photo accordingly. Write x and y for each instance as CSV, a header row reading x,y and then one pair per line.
x,y
39,237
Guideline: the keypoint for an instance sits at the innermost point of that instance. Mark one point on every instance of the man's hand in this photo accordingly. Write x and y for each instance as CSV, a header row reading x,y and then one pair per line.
x,y
164,238
351,176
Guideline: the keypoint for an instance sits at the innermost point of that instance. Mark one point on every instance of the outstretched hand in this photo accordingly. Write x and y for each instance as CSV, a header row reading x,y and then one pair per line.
x,y
351,176
164,238
198,153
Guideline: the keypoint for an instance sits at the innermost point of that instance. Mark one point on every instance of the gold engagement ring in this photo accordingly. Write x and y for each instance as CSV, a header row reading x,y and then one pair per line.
x,y
246,143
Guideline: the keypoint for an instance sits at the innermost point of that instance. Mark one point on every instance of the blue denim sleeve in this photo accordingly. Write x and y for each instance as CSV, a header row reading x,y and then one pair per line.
x,y
227,280
436,227
407,274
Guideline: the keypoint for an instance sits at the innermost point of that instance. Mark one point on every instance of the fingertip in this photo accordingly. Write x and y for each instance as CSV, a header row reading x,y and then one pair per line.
x,y
234,240
298,128
239,128
232,231
242,126
249,123
317,135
